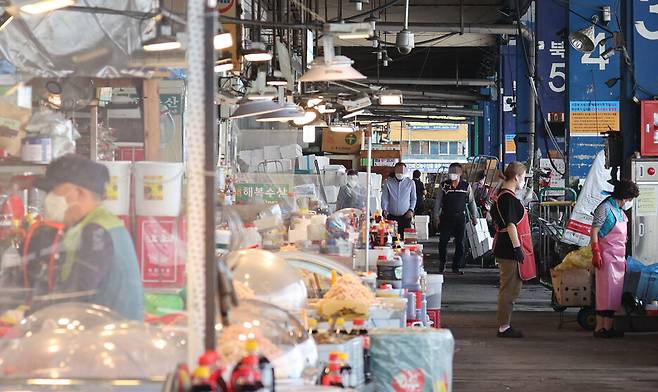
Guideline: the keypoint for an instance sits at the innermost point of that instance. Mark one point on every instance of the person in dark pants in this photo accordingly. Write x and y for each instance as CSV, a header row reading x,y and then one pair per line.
x,y
399,198
452,198
420,194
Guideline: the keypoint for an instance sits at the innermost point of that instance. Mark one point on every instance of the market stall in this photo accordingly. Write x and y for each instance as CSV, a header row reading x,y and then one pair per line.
x,y
239,269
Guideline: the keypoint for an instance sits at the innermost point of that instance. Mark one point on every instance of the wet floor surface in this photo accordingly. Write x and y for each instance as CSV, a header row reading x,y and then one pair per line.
x,y
548,358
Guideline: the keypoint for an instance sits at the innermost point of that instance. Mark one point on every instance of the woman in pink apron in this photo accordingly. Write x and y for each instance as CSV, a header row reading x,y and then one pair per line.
x,y
608,237
512,247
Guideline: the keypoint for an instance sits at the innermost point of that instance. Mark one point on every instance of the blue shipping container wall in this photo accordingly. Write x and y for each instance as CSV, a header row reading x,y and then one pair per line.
x,y
587,76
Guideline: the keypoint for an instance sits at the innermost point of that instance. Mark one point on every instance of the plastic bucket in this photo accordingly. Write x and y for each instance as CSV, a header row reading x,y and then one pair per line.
x,y
117,193
434,290
158,188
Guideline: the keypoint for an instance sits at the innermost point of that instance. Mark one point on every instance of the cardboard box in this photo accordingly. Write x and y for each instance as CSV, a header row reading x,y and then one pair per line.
x,y
341,143
13,120
572,287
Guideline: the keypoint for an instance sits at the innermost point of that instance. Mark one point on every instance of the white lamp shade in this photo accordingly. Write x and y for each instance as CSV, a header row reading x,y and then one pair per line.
x,y
340,68
288,112
255,108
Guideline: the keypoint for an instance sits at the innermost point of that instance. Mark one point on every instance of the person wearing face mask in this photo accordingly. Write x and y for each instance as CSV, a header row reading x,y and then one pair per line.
x,y
420,193
399,198
351,195
512,246
97,259
452,199
608,238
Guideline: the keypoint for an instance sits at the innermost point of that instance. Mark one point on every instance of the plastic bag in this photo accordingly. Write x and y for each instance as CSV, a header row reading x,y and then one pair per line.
x,y
578,259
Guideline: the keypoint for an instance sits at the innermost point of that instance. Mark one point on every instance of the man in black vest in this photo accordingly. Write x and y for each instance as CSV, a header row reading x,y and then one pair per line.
x,y
450,211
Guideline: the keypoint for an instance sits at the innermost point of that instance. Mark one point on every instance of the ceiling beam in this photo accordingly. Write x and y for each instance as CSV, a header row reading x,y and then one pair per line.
x,y
436,82
431,111
449,28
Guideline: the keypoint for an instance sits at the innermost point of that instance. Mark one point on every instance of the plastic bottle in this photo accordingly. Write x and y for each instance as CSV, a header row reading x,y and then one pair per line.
x,y
340,327
312,327
331,374
247,375
412,265
360,329
346,371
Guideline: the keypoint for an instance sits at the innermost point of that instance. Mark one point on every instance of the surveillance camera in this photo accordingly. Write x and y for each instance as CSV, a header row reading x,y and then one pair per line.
x,y
404,41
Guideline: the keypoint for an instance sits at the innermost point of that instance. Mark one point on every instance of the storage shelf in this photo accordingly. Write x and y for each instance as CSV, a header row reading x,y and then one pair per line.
x,y
20,168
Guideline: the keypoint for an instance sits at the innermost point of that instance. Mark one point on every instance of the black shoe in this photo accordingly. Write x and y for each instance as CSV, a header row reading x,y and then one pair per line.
x,y
510,333
602,334
613,333
458,272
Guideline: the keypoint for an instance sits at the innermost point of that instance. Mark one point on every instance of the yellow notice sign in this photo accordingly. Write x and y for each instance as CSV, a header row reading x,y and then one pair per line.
x,y
153,188
647,203
112,189
593,117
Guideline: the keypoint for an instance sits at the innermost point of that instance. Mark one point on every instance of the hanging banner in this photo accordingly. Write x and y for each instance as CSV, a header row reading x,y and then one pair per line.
x,y
552,56
588,92
645,41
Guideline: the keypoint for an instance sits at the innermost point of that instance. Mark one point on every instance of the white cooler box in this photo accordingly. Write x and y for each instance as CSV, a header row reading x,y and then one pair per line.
x,y
422,227
479,238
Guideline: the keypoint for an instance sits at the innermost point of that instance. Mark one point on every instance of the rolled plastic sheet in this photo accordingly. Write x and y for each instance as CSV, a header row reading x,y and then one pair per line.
x,y
418,360
84,44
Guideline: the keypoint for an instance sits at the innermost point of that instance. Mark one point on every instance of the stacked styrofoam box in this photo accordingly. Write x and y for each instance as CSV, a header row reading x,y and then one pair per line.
x,y
373,255
272,153
375,180
332,193
257,156
422,227
291,151
306,162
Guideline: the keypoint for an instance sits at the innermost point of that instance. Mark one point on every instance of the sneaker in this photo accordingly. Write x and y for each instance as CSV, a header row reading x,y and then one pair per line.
x,y
510,333
602,334
458,272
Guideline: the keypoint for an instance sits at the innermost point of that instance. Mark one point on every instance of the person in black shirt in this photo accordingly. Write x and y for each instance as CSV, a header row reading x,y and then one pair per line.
x,y
452,198
507,212
420,194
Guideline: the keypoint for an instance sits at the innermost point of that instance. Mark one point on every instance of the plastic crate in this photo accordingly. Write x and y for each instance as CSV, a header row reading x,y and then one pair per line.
x,y
572,287
435,317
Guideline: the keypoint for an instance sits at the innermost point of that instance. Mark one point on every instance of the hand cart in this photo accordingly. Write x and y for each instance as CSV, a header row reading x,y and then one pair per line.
x,y
552,214
574,289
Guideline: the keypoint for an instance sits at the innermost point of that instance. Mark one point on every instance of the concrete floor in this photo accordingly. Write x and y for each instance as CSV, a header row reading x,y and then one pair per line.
x,y
548,358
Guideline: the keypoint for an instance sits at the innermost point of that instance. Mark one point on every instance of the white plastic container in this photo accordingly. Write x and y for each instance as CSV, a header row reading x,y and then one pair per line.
x,y
117,193
158,188
434,290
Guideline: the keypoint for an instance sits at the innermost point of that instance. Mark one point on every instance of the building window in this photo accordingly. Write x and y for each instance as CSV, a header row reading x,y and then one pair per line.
x,y
415,148
453,148
434,148
443,148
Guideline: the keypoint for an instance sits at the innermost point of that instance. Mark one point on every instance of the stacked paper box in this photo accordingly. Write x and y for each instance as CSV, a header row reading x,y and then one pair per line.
x,y
291,151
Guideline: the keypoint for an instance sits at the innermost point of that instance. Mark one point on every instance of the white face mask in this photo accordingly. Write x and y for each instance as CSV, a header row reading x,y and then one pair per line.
x,y
453,176
352,181
628,205
55,207
399,176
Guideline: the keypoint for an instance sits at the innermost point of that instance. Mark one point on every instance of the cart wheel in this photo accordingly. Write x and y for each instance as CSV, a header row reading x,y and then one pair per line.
x,y
554,304
587,318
